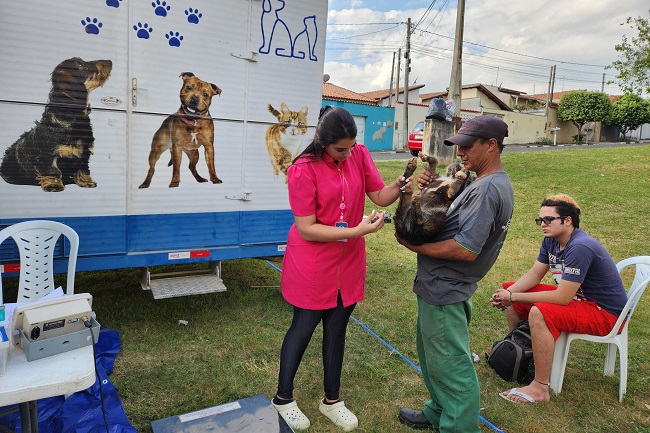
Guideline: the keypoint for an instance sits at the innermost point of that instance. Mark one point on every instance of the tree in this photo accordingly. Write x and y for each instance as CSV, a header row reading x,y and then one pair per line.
x,y
628,113
633,66
582,107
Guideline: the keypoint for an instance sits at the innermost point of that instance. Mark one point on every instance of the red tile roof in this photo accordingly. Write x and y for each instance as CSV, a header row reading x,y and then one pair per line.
x,y
380,94
556,95
426,98
336,93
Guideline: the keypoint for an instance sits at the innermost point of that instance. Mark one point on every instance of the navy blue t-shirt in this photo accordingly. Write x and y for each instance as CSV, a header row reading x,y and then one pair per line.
x,y
584,260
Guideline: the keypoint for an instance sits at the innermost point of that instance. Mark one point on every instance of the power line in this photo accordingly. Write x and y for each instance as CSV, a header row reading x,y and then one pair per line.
x,y
518,54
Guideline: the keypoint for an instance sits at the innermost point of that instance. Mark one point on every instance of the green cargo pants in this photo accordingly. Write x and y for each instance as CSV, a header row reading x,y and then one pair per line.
x,y
447,366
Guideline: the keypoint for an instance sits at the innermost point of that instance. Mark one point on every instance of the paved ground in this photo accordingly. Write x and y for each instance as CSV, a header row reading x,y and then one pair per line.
x,y
391,154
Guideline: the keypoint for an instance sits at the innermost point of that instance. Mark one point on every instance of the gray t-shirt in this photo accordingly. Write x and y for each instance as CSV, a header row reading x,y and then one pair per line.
x,y
478,220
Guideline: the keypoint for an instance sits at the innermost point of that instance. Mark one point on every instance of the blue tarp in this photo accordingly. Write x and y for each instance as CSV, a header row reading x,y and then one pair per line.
x,y
82,412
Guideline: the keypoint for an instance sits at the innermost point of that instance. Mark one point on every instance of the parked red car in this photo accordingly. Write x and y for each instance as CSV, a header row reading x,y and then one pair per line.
x,y
415,138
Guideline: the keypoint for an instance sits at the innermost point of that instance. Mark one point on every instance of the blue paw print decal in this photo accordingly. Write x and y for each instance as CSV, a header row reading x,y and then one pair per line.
x,y
193,15
160,8
91,26
143,30
174,39
113,3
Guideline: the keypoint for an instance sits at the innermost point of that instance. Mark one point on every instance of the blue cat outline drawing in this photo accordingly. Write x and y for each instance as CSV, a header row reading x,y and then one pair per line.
x,y
271,22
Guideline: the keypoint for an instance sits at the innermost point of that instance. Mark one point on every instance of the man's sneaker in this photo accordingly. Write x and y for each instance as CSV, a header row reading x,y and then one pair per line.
x,y
293,415
339,415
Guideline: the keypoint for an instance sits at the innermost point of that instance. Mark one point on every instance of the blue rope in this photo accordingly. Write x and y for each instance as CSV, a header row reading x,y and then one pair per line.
x,y
392,349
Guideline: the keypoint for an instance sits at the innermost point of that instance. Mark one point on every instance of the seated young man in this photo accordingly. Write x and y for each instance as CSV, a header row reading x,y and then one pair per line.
x,y
588,298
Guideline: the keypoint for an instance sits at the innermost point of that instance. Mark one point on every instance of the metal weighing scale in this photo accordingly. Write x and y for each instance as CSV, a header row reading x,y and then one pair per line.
x,y
249,415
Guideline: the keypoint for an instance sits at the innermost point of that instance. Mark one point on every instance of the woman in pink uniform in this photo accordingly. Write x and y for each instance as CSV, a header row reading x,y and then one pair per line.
x,y
324,266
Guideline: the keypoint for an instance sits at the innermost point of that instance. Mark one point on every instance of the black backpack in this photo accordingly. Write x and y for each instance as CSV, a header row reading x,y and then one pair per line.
x,y
512,357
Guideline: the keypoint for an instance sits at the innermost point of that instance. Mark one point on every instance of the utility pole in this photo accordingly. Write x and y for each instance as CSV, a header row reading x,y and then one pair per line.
x,y
553,83
549,94
456,81
399,58
602,85
407,69
390,88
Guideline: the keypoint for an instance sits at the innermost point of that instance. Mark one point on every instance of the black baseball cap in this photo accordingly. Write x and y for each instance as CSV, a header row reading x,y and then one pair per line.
x,y
479,127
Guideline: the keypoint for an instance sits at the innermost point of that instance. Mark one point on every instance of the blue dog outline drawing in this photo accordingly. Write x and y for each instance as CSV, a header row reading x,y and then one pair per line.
x,y
271,21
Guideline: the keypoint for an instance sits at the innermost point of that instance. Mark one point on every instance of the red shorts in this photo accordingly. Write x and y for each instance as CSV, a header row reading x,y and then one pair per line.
x,y
582,317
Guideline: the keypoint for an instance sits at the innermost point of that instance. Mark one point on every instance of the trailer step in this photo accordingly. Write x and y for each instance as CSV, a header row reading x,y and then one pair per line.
x,y
184,286
183,283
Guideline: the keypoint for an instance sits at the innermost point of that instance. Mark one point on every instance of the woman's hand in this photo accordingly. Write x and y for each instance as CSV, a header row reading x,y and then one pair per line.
x,y
372,223
405,184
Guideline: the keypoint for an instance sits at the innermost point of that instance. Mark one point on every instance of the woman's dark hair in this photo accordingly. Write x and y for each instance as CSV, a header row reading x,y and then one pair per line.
x,y
565,206
334,124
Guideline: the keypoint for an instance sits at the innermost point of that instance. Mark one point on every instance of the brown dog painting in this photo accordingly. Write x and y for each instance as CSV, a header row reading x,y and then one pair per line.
x,y
57,150
186,131
420,215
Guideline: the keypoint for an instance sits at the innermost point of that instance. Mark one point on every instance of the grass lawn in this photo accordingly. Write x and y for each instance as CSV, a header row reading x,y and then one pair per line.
x,y
230,348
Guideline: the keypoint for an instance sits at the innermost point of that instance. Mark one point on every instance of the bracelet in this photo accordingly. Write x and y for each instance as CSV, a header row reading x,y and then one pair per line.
x,y
510,295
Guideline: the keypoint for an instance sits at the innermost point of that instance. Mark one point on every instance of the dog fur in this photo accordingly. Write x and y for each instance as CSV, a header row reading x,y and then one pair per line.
x,y
57,150
420,215
186,130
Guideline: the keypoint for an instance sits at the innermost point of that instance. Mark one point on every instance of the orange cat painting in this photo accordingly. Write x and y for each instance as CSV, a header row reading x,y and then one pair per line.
x,y
284,139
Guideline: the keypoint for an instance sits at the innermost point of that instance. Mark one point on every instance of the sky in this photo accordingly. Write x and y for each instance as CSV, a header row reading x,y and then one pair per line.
x,y
508,43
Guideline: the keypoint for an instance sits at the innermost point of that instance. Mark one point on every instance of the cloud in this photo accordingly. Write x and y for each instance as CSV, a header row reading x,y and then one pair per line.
x,y
507,42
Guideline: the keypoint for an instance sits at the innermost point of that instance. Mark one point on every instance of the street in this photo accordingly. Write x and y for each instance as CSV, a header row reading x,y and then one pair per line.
x,y
391,154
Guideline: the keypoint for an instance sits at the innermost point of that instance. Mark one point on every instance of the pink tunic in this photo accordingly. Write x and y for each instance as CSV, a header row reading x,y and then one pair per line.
x,y
314,272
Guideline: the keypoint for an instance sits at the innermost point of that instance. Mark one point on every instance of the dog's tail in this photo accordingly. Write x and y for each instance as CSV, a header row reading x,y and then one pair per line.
x,y
11,170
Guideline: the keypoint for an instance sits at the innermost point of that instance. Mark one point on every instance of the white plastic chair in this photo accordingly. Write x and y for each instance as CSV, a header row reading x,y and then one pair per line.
x,y
36,241
614,339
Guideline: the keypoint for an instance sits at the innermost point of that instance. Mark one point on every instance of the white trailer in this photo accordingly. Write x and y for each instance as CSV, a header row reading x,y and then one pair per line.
x,y
156,74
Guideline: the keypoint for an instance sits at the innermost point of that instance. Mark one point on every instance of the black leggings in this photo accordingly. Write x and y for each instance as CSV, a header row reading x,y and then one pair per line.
x,y
335,322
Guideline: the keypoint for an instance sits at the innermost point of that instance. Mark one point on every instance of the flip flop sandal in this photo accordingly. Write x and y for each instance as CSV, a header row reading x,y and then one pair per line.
x,y
514,391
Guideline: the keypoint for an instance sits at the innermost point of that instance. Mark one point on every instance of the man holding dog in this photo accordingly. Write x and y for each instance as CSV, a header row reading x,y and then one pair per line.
x,y
448,272
588,298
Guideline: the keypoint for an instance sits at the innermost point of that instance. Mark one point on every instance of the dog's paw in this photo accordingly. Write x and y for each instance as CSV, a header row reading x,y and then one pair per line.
x,y
83,180
91,26
216,180
460,175
51,184
174,39
411,166
142,30
174,184
193,15
160,8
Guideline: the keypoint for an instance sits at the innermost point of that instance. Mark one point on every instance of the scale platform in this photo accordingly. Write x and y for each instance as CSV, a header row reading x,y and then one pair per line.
x,y
249,415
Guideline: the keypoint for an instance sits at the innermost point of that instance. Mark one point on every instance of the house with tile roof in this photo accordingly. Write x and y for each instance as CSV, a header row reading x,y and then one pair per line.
x,y
375,123
525,114
395,98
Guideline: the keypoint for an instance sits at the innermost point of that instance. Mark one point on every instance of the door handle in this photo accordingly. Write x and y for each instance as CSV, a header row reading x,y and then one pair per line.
x,y
134,91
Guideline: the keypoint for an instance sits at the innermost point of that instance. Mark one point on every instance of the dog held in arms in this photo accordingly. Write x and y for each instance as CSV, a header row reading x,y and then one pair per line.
x,y
420,215
186,130
57,150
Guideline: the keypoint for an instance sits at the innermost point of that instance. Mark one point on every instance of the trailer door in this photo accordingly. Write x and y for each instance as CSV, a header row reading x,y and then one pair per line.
x,y
65,107
167,41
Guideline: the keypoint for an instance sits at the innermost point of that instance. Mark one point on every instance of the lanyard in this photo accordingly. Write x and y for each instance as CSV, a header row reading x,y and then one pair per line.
x,y
344,183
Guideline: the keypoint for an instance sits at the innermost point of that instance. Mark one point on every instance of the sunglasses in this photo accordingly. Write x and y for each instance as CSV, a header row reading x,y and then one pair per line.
x,y
548,219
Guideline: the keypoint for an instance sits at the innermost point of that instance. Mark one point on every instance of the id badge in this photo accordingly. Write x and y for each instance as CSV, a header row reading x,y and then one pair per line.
x,y
344,225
